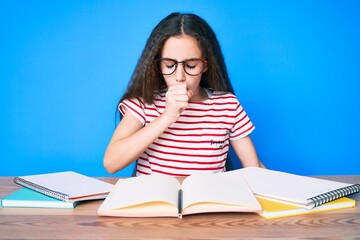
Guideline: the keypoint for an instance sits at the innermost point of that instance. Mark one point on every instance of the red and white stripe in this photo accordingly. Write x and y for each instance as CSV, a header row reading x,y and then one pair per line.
x,y
198,141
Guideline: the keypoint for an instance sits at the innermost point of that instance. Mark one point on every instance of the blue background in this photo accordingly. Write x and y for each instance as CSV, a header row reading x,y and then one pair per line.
x,y
295,66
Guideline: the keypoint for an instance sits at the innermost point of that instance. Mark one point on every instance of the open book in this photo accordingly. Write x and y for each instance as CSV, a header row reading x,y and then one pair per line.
x,y
302,191
164,196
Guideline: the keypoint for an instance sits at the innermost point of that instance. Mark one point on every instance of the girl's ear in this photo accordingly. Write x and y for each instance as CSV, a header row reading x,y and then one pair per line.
x,y
206,67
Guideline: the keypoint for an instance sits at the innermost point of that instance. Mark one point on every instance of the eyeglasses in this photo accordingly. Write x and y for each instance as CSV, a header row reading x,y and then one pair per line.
x,y
192,66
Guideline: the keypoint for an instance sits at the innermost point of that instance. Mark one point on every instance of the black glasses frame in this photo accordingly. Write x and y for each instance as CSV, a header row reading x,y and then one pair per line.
x,y
158,60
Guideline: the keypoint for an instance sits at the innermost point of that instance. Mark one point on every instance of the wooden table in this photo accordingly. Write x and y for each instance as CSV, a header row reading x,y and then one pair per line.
x,y
83,223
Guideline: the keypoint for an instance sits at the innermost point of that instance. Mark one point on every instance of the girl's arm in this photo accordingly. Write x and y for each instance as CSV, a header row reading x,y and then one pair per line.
x,y
245,151
131,139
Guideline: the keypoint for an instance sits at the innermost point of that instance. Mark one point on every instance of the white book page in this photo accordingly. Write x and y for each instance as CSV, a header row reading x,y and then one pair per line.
x,y
285,186
142,190
217,192
71,183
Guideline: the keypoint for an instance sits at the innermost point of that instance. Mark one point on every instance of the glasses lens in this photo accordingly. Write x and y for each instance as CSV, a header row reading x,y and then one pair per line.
x,y
167,66
193,66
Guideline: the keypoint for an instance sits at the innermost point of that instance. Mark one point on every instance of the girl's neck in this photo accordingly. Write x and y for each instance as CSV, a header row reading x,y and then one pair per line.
x,y
200,96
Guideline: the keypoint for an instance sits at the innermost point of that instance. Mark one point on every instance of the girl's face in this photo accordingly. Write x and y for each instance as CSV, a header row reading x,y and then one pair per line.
x,y
181,48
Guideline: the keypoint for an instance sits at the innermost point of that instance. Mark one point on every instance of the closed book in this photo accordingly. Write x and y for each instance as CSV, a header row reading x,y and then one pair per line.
x,y
275,209
66,186
303,191
27,198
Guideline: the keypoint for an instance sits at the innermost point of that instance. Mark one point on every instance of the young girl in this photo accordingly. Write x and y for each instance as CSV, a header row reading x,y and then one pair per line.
x,y
179,110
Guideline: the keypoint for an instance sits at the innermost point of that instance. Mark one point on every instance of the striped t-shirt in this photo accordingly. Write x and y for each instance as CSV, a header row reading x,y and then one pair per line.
x,y
198,141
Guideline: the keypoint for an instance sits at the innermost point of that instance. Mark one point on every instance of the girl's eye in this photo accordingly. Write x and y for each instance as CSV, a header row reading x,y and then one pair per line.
x,y
190,66
169,66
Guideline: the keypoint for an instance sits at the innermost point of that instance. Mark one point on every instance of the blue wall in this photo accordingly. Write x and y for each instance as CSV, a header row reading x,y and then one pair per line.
x,y
295,66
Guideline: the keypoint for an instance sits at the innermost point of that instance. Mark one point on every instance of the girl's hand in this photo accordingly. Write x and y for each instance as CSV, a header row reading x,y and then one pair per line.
x,y
177,99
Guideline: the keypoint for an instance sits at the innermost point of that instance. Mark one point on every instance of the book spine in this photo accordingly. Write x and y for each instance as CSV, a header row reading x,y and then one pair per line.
x,y
332,195
180,203
41,189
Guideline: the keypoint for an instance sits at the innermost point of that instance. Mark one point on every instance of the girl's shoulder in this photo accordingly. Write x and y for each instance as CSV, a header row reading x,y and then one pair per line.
x,y
134,100
217,95
159,96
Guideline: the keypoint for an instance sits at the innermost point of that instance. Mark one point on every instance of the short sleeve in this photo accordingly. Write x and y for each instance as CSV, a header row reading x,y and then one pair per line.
x,y
135,106
242,125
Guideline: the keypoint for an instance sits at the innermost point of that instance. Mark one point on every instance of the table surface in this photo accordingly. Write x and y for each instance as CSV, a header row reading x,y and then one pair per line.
x,y
84,223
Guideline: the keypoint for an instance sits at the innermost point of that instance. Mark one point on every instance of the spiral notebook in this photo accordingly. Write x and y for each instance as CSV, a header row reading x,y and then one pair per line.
x,y
303,191
66,186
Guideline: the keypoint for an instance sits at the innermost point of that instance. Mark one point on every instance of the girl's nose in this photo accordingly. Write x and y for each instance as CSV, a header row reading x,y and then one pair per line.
x,y
180,75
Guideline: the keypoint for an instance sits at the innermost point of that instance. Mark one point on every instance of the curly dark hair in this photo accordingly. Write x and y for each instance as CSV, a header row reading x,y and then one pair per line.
x,y
146,80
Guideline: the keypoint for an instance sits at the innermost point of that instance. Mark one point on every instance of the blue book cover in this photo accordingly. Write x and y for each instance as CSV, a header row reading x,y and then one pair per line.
x,y
27,198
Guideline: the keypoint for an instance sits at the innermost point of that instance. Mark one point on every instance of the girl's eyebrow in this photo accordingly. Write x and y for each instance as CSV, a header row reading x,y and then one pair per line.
x,y
187,59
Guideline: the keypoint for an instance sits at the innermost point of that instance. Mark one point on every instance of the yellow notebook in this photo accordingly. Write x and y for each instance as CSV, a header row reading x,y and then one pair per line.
x,y
275,209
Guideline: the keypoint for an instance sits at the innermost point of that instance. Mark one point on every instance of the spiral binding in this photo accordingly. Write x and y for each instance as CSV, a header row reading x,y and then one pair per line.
x,y
41,189
332,195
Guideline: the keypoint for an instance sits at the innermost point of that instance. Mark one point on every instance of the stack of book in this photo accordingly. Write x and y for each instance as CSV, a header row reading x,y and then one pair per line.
x,y
56,190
